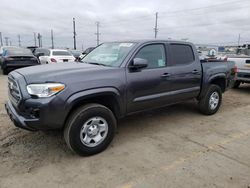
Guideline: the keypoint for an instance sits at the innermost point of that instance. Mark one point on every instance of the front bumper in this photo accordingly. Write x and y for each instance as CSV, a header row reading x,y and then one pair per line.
x,y
19,121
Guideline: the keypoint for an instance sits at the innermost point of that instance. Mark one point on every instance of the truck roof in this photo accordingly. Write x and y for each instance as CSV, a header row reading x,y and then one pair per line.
x,y
152,40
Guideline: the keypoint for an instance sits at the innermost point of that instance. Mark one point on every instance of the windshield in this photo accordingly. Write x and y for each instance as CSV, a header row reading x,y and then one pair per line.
x,y
61,53
109,54
14,51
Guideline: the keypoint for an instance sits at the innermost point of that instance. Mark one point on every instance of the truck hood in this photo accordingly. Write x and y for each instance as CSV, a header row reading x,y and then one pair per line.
x,y
58,72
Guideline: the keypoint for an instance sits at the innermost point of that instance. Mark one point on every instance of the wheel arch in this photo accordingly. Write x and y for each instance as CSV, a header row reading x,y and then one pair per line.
x,y
108,97
219,80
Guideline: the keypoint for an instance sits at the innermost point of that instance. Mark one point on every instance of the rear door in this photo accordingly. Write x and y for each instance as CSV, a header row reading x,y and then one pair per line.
x,y
185,70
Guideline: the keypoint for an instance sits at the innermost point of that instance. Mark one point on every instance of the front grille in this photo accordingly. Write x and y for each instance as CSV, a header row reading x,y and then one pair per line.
x,y
14,90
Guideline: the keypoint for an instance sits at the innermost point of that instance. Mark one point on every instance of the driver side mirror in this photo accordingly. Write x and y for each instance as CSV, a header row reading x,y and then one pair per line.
x,y
138,63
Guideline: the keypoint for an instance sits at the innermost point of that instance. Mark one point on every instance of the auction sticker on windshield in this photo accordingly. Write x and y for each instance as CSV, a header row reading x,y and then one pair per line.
x,y
126,44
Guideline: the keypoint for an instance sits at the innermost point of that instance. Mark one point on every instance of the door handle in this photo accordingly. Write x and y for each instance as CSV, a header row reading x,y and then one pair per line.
x,y
164,75
195,72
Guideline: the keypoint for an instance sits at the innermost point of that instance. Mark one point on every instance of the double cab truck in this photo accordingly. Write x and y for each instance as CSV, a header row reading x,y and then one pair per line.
x,y
86,99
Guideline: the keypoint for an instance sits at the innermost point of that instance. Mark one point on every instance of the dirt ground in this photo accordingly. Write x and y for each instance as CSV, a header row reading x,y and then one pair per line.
x,y
170,147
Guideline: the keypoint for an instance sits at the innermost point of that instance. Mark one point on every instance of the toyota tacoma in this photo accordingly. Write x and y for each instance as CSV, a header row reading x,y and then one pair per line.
x,y
86,99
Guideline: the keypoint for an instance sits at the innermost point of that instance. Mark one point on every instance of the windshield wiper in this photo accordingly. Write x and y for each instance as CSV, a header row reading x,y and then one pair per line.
x,y
93,63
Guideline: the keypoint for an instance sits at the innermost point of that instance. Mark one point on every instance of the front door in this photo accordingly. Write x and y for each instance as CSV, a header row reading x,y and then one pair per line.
x,y
147,88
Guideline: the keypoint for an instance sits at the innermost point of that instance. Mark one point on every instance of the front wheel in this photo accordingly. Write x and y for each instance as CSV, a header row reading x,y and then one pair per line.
x,y
211,101
90,129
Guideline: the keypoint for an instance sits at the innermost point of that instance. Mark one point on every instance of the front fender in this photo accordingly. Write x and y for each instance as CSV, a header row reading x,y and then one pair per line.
x,y
96,92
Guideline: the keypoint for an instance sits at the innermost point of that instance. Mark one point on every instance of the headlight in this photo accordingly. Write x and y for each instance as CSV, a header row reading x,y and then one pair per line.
x,y
45,90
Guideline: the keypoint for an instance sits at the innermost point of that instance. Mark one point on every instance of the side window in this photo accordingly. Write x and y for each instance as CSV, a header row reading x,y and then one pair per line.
x,y
154,54
181,54
46,52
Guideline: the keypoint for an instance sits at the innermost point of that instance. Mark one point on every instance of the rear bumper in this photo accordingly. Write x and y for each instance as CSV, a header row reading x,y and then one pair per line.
x,y
19,121
243,76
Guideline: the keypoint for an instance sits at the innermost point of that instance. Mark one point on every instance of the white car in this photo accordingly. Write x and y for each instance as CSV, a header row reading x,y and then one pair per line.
x,y
49,56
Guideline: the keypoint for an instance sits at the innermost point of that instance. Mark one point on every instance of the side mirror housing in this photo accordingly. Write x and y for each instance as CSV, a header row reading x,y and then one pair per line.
x,y
138,63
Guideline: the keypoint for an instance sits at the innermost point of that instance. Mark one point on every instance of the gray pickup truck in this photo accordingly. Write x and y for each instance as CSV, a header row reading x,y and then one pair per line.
x,y
115,80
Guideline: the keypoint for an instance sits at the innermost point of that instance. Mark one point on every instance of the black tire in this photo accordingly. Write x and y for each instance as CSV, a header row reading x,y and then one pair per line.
x,y
76,122
5,71
236,84
204,105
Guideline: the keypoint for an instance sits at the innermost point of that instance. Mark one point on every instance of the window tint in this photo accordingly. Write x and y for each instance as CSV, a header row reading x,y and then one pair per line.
x,y
15,51
154,54
45,51
61,53
181,54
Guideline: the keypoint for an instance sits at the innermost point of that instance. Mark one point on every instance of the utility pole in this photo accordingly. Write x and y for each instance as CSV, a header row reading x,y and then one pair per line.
x,y
74,33
97,33
19,40
1,39
35,38
10,43
156,24
6,41
39,36
52,39
41,40
239,40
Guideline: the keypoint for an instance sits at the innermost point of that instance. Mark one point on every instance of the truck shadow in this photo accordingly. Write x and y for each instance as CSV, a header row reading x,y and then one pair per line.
x,y
23,151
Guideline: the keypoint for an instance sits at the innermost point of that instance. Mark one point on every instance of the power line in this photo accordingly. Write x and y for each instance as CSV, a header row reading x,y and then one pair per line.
x,y
97,33
181,11
74,33
156,24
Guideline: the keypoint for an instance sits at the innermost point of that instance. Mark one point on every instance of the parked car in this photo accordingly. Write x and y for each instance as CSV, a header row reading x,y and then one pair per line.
x,y
15,57
115,80
88,50
32,48
242,63
48,56
75,53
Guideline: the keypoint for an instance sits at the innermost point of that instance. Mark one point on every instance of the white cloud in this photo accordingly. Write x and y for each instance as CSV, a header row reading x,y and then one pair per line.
x,y
216,22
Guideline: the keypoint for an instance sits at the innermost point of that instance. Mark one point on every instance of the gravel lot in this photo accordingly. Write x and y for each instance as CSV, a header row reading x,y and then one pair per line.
x,y
170,147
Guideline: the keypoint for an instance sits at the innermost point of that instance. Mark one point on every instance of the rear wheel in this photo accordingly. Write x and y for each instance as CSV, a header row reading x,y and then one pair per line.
x,y
236,84
211,101
90,129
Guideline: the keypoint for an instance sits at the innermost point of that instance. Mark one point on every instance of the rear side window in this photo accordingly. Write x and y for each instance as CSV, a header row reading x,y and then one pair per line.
x,y
45,51
154,54
61,53
181,54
